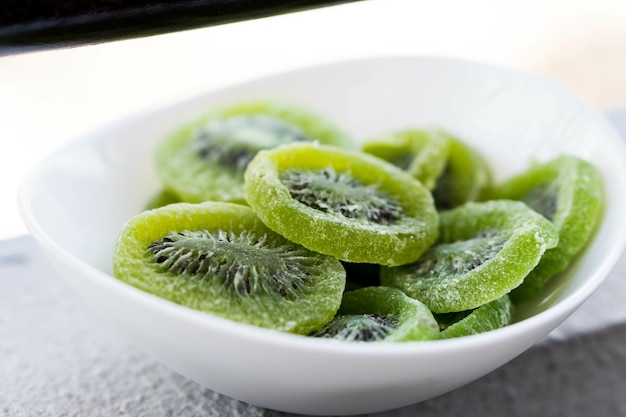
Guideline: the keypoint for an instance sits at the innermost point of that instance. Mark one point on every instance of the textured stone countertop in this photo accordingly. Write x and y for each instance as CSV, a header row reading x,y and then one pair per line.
x,y
58,359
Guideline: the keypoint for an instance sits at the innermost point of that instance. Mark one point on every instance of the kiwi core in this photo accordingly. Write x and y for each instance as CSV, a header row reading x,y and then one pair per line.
x,y
543,199
460,257
233,142
359,327
246,263
340,193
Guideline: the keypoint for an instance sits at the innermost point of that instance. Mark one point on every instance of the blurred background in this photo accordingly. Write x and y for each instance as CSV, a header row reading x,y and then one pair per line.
x,y
48,99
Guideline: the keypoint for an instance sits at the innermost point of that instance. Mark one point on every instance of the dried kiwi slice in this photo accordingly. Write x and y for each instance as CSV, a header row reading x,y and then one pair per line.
x,y
466,176
490,316
484,251
205,160
374,314
567,191
422,153
219,258
349,205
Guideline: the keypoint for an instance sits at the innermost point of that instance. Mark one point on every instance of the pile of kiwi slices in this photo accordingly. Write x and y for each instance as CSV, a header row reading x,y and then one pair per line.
x,y
271,215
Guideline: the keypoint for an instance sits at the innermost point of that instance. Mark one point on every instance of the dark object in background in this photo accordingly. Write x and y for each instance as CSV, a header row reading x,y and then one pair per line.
x,y
30,25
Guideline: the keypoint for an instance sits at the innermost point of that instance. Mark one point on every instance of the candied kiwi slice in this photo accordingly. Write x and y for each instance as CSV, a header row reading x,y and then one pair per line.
x,y
484,251
206,159
491,316
219,258
422,153
465,177
346,204
567,191
376,314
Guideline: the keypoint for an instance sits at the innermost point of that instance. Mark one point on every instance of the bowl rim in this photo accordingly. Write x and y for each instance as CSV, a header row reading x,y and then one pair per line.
x,y
557,312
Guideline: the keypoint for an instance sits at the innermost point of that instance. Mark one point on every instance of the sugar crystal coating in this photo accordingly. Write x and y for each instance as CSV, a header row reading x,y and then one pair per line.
x,y
316,213
484,251
490,316
422,153
205,159
568,192
380,314
219,258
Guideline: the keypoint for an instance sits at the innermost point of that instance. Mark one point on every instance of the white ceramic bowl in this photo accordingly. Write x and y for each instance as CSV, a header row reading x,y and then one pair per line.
x,y
76,201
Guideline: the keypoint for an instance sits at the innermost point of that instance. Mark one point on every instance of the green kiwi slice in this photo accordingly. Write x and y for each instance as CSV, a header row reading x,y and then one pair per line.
x,y
375,314
491,316
422,153
347,204
465,177
484,251
206,159
567,191
219,258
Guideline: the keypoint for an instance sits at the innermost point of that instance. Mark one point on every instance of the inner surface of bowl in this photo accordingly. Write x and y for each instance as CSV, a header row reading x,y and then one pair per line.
x,y
76,202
